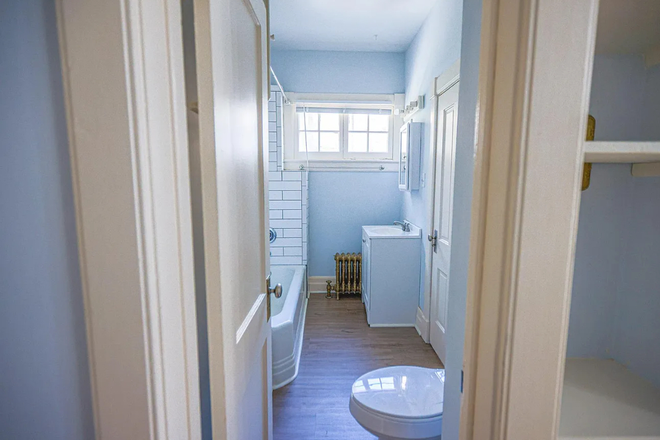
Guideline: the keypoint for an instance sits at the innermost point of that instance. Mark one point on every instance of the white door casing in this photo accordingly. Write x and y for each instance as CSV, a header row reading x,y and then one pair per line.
x,y
531,120
232,77
440,235
122,69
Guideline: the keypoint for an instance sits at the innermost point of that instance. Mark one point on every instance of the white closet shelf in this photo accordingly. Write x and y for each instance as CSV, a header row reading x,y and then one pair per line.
x,y
602,399
621,152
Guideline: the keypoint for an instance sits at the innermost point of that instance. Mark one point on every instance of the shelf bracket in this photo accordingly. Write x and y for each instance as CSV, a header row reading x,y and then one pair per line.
x,y
647,169
586,171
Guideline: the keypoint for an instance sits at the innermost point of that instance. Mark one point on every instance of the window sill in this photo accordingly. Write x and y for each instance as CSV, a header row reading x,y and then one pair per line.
x,y
342,165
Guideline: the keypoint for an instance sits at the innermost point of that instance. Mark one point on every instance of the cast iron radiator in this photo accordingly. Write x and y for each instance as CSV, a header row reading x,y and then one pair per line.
x,y
348,275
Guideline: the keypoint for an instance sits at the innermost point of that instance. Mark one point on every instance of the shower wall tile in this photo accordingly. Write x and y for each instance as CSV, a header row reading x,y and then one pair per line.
x,y
292,213
285,186
291,195
287,195
286,261
286,224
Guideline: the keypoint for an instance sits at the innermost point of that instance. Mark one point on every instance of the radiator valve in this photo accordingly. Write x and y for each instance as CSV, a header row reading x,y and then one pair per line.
x,y
329,288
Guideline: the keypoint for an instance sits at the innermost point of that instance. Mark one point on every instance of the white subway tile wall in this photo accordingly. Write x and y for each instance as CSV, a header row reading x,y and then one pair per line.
x,y
287,196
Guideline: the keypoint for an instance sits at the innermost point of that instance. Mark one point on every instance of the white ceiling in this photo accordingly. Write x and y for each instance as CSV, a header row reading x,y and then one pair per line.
x,y
347,25
628,26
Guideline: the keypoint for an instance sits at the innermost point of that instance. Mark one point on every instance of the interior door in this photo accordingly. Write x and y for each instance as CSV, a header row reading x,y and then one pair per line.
x,y
446,112
232,81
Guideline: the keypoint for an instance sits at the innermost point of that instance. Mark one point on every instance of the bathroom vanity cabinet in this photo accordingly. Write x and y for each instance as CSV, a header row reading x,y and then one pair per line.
x,y
391,261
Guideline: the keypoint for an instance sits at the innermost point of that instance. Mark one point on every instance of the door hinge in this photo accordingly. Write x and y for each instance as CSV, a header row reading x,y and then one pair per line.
x,y
434,240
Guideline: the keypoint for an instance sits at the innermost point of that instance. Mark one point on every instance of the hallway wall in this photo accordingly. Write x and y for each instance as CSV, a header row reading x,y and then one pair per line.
x,y
435,48
44,380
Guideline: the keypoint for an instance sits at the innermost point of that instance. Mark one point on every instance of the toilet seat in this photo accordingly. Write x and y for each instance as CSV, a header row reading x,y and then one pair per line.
x,y
400,402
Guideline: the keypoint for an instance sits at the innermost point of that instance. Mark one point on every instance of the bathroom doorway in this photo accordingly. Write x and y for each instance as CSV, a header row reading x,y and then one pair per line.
x,y
351,128
349,157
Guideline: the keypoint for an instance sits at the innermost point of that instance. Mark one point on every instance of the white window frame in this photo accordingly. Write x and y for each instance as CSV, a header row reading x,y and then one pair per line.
x,y
343,160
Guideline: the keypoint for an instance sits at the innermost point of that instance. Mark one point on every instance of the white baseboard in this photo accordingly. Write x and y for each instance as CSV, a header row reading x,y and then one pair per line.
x,y
319,284
422,325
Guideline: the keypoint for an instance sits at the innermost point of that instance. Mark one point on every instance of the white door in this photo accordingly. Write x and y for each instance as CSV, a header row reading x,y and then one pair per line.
x,y
446,112
232,73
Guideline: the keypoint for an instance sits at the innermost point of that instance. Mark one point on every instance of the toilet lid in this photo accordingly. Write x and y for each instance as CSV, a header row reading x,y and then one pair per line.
x,y
402,391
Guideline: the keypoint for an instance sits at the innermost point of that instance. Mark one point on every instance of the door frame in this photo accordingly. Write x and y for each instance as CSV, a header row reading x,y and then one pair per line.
x,y
122,69
131,189
530,125
440,85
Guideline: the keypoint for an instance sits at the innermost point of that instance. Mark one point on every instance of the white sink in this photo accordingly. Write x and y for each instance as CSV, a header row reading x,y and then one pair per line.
x,y
391,231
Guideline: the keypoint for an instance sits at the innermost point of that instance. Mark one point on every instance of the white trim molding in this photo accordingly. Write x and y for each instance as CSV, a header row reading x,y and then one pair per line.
x,y
376,166
531,123
440,85
317,284
422,325
122,65
293,160
447,79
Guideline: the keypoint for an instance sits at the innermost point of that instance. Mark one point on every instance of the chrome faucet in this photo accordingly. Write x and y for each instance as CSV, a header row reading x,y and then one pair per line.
x,y
405,226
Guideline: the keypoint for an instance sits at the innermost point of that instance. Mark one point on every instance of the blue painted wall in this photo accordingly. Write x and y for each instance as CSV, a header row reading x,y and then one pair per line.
x,y
44,381
339,72
435,48
617,97
650,126
597,259
616,286
637,342
341,202
618,82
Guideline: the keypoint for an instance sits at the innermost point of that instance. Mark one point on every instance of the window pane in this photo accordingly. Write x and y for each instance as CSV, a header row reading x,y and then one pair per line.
x,y
330,121
357,142
329,142
312,121
357,122
378,142
312,141
379,123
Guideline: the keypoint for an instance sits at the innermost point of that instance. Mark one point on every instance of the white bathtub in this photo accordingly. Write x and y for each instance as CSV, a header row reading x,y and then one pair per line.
x,y
288,322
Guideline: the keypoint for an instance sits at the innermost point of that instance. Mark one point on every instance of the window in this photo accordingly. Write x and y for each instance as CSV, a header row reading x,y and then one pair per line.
x,y
344,133
319,132
323,131
368,133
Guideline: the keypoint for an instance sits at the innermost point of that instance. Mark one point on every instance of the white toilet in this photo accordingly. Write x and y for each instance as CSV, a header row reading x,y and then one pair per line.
x,y
397,403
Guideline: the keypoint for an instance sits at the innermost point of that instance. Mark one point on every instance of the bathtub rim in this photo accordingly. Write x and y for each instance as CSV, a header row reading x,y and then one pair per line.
x,y
289,310
289,307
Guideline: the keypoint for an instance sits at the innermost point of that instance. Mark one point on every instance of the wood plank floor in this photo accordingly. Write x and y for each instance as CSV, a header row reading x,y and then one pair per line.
x,y
338,347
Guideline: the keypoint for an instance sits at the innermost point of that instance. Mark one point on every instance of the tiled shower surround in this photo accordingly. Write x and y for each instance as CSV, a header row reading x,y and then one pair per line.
x,y
287,196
